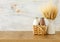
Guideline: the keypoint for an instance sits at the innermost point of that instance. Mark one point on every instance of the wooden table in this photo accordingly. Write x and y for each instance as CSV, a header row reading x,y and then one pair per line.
x,y
27,36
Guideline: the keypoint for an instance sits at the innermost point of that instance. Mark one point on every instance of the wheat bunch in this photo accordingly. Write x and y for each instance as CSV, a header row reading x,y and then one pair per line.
x,y
50,12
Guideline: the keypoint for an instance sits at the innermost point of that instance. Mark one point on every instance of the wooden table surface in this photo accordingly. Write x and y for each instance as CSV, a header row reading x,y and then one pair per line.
x,y
27,36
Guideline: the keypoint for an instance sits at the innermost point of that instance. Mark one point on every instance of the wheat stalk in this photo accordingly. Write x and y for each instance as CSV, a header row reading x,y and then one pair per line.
x,y
50,12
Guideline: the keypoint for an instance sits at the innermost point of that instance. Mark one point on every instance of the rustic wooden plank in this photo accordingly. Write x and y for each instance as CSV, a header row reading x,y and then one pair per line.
x,y
27,36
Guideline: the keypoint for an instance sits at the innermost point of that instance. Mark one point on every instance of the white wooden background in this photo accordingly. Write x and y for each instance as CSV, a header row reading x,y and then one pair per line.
x,y
12,21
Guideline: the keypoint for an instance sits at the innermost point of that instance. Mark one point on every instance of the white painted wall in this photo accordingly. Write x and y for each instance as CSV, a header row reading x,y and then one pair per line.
x,y
11,21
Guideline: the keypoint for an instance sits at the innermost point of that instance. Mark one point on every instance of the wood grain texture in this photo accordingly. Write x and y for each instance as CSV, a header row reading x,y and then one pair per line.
x,y
27,36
